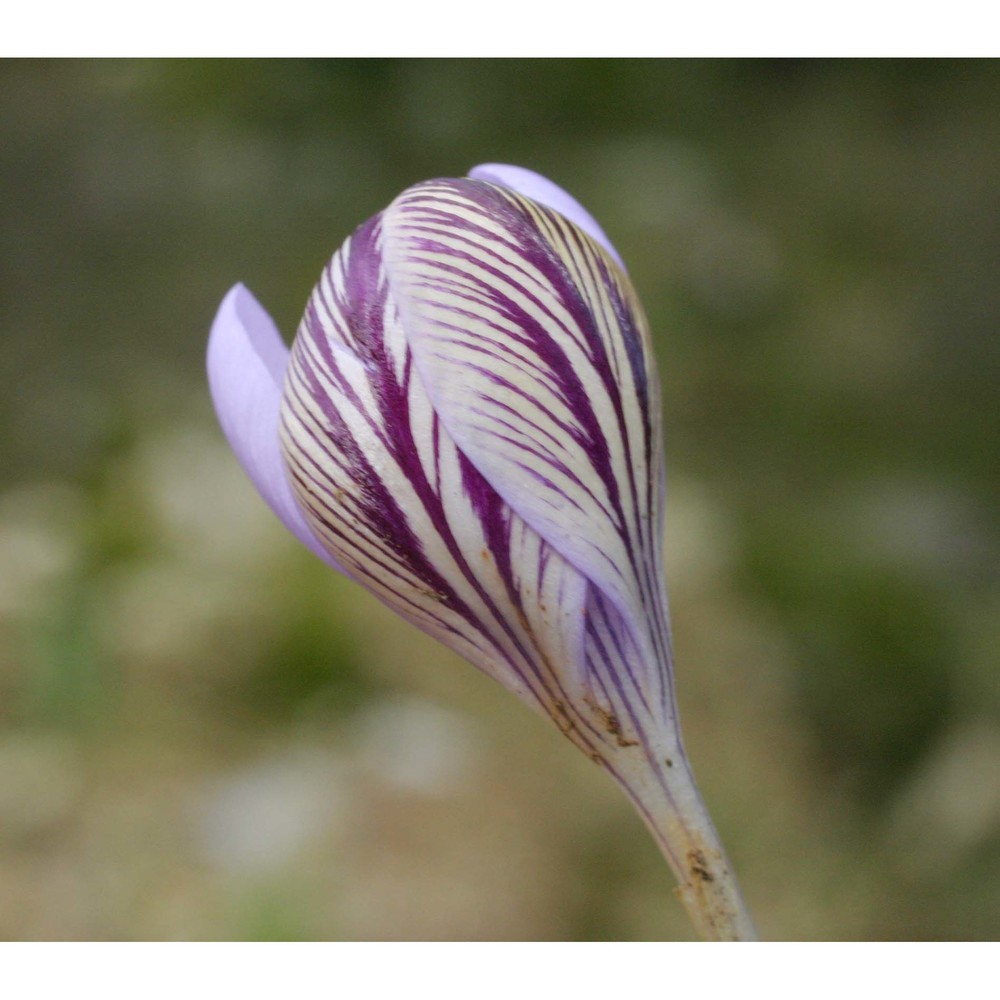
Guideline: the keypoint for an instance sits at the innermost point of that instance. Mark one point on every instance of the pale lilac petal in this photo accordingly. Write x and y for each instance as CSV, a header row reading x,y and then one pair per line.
x,y
246,370
541,189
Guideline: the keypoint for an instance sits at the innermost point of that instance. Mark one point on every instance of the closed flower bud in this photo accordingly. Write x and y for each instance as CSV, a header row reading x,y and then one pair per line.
x,y
468,425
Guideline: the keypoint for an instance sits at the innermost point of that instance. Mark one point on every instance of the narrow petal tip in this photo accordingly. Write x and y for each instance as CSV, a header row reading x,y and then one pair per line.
x,y
545,192
246,365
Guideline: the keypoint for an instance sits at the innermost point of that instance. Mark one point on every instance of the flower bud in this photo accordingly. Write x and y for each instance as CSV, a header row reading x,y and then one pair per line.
x,y
469,426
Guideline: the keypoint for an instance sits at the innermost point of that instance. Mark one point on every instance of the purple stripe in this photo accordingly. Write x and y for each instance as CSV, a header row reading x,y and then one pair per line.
x,y
536,427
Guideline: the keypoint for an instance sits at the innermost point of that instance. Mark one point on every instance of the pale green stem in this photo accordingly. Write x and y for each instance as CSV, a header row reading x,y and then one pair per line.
x,y
663,789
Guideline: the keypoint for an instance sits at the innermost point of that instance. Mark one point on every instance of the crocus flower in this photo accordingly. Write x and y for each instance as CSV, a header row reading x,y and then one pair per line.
x,y
468,425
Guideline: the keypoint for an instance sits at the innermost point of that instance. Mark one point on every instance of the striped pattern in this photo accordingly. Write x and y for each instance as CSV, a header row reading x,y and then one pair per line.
x,y
471,426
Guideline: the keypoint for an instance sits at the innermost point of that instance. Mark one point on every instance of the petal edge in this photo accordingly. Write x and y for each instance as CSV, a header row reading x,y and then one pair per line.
x,y
538,188
246,364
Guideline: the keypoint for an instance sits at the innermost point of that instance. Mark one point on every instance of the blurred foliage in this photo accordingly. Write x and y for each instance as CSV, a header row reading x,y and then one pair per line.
x,y
204,734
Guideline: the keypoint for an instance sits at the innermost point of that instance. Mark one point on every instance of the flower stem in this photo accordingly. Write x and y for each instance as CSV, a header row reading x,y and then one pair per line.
x,y
665,793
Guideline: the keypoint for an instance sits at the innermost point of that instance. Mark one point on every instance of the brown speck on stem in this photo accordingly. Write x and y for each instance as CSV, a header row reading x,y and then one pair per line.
x,y
698,866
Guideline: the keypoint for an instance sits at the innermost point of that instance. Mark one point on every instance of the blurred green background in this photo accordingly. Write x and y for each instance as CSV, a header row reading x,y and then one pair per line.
x,y
205,734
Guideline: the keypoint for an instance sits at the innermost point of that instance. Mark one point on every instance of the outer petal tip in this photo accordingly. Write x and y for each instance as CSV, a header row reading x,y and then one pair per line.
x,y
246,368
545,192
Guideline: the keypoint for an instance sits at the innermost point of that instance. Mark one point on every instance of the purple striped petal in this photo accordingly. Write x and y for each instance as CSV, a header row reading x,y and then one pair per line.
x,y
541,190
481,456
246,367
386,490
535,354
